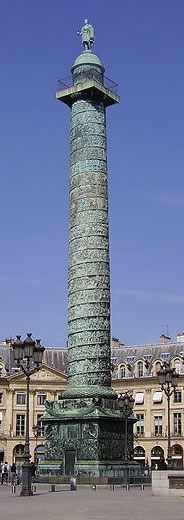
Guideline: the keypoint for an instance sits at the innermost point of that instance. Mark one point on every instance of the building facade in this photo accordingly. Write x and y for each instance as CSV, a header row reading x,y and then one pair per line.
x,y
46,384
134,369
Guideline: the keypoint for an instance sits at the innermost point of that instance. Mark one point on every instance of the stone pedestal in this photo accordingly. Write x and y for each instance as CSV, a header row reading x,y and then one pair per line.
x,y
87,436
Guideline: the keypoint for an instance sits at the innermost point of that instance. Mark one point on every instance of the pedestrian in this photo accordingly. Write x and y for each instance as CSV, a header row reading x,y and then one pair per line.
x,y
162,464
33,472
5,472
13,474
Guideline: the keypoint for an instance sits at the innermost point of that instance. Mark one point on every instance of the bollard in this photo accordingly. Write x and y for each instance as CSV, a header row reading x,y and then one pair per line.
x,y
53,487
13,488
73,484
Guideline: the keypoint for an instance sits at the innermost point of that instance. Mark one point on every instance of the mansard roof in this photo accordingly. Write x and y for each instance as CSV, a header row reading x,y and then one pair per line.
x,y
121,353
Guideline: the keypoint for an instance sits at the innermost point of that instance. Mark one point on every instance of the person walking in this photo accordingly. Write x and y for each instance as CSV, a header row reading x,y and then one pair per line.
x,y
33,471
13,474
5,472
162,464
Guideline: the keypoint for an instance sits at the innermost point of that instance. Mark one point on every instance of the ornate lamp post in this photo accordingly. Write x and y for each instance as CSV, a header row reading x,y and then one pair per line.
x,y
126,403
168,380
36,432
28,355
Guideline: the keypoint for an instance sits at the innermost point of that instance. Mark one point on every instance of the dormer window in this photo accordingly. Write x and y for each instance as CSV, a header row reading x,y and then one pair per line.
x,y
157,366
121,371
177,365
140,369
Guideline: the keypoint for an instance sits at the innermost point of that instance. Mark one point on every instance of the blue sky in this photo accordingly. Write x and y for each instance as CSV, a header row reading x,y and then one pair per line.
x,y
141,44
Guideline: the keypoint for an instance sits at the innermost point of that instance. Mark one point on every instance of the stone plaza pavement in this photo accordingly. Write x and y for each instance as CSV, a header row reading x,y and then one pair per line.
x,y
85,504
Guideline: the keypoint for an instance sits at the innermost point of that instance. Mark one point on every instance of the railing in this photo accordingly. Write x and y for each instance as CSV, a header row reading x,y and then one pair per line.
x,y
92,75
177,434
164,434
129,478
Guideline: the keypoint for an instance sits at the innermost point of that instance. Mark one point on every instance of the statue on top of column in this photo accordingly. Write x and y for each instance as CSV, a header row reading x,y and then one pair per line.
x,y
88,35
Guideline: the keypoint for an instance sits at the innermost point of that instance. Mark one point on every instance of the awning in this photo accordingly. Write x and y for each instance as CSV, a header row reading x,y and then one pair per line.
x,y
139,398
157,397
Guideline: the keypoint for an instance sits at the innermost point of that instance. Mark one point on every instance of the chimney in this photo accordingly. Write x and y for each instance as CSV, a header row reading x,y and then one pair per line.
x,y
180,337
165,339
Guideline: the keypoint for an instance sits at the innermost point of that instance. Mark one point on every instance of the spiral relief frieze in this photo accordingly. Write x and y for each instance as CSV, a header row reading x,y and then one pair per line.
x,y
88,272
88,309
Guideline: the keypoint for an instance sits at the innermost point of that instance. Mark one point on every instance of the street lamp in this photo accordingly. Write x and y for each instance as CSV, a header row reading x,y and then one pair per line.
x,y
28,355
36,432
168,380
126,403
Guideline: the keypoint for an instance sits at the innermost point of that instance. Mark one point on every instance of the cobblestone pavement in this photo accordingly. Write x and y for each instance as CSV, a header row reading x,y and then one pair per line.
x,y
85,504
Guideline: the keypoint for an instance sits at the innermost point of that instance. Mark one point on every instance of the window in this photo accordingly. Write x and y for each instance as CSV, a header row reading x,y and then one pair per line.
x,y
21,398
41,398
41,426
158,424
60,396
157,397
122,371
157,366
130,359
139,455
177,365
177,396
177,423
140,424
1,397
1,418
140,371
148,356
164,355
20,425
139,398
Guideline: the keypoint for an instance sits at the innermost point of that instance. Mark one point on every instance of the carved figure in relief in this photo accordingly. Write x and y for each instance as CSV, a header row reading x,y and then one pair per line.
x,y
52,446
90,430
51,433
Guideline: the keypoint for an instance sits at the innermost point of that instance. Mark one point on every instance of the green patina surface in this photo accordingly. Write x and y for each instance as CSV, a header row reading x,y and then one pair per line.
x,y
86,425
91,428
89,273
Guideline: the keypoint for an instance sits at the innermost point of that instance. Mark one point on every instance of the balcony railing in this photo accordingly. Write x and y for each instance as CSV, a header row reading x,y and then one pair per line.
x,y
107,83
177,434
164,434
